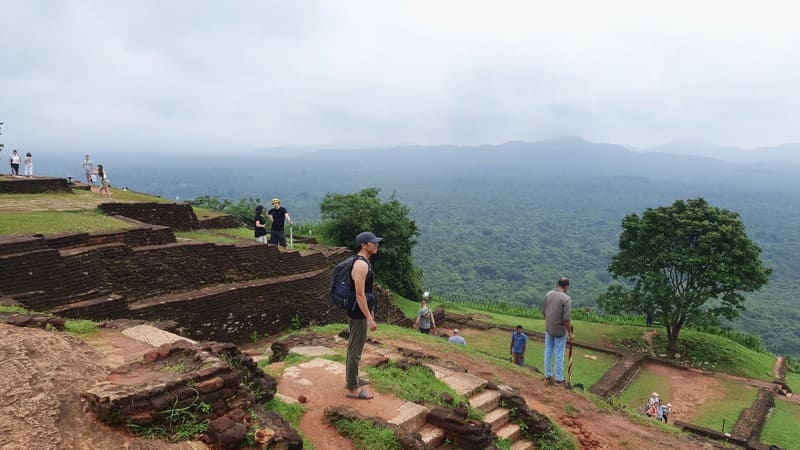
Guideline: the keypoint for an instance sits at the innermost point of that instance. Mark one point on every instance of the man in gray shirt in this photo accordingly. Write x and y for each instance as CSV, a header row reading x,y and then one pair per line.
x,y
557,311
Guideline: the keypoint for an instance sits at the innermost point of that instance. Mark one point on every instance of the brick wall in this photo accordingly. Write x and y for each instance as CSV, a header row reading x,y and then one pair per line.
x,y
220,222
232,313
214,291
179,217
156,270
33,185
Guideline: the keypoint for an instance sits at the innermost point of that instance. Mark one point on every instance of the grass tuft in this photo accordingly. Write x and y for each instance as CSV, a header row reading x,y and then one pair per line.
x,y
366,435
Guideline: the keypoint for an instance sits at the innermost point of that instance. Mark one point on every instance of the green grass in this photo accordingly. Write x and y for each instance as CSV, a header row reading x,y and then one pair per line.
x,y
291,412
720,354
736,397
589,332
81,328
54,222
118,195
181,424
585,370
793,380
781,428
205,236
409,307
416,384
13,309
366,435
637,393
240,233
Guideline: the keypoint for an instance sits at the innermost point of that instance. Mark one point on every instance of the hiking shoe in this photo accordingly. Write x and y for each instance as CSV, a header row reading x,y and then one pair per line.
x,y
548,379
560,383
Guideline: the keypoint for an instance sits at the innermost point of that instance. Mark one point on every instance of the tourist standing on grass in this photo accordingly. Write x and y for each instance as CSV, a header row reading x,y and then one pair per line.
x,y
519,343
425,320
557,311
28,165
88,169
666,410
105,184
13,161
278,216
260,228
456,338
362,317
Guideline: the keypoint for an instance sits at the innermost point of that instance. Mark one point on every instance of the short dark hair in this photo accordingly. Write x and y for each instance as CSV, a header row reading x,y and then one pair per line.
x,y
519,327
563,281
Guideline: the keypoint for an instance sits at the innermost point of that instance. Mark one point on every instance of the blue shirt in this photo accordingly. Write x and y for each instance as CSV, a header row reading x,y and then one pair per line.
x,y
457,339
518,342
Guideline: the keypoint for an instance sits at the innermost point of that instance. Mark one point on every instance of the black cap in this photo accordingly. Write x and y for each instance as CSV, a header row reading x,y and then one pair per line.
x,y
367,236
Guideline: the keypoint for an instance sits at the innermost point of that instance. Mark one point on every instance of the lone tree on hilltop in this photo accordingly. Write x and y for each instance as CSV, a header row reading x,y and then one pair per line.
x,y
346,215
678,259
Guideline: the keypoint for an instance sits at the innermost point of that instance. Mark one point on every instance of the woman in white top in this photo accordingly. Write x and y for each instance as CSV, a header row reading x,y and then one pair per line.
x,y
104,183
28,165
14,162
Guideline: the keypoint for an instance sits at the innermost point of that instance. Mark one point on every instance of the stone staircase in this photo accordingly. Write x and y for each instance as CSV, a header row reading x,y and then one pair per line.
x,y
411,416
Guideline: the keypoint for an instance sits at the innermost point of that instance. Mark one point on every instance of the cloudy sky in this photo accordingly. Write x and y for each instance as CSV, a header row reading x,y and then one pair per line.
x,y
228,75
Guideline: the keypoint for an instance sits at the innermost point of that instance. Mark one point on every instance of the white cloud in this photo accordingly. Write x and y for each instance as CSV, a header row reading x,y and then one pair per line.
x,y
207,75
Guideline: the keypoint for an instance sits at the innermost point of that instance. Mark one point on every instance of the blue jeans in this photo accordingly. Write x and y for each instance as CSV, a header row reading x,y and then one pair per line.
x,y
557,345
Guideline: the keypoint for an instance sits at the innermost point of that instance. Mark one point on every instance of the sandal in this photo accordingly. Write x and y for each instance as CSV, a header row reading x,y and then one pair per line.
x,y
361,382
362,395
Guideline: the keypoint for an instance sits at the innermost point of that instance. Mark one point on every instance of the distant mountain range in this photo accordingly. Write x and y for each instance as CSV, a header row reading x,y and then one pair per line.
x,y
767,156
502,222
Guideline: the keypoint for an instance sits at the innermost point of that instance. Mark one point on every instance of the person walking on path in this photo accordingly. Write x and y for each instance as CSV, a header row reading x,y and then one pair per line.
x,y
88,169
557,311
13,161
361,318
519,342
456,338
425,320
278,216
260,228
28,165
105,183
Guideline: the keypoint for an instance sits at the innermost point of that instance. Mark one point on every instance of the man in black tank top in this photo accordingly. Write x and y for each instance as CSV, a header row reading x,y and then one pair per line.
x,y
362,316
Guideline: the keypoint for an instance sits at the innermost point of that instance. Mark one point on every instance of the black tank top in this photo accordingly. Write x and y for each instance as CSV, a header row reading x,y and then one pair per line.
x,y
356,312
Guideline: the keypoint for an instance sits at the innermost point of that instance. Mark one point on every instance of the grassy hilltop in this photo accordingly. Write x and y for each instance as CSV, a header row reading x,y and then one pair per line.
x,y
53,213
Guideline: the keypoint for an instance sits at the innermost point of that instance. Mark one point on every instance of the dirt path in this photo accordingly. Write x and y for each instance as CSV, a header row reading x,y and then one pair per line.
x,y
44,374
321,382
688,390
574,412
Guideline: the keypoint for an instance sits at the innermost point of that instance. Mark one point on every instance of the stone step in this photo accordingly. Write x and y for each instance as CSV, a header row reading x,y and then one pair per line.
x,y
464,383
497,417
438,371
153,336
522,445
510,431
410,416
432,435
485,401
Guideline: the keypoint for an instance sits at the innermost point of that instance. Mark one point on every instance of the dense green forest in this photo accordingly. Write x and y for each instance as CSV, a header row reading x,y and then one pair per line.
x,y
501,223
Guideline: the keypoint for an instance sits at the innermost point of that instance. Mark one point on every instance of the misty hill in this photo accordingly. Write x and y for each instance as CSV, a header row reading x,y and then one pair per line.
x,y
775,157
503,222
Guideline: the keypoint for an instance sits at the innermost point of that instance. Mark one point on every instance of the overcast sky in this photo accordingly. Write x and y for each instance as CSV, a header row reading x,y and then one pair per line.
x,y
229,75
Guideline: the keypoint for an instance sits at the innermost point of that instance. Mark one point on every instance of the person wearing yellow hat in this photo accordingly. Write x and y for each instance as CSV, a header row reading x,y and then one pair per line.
x,y
278,216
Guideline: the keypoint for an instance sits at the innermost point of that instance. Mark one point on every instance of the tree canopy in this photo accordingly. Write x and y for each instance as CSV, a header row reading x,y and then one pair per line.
x,y
243,209
346,215
687,263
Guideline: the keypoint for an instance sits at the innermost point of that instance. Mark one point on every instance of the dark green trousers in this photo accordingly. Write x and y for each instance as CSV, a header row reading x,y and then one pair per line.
x,y
355,345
